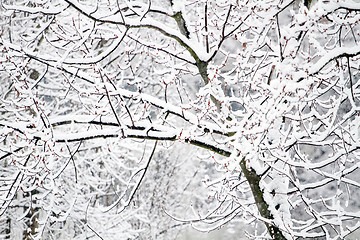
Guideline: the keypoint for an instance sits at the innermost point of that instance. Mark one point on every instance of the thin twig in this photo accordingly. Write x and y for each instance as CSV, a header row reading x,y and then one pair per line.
x,y
112,107
72,158
350,79
206,28
141,178
278,28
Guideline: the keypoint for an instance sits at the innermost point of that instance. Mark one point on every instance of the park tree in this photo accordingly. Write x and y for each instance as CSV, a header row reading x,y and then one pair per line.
x,y
101,102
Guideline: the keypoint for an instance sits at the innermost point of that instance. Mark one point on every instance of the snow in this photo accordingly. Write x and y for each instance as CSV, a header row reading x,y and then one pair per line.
x,y
298,126
331,55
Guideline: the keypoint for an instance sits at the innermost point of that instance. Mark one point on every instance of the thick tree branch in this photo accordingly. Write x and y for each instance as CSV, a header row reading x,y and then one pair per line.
x,y
145,135
336,53
180,38
159,133
254,181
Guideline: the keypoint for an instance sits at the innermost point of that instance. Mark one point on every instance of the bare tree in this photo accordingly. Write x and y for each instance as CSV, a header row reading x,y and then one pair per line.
x,y
268,89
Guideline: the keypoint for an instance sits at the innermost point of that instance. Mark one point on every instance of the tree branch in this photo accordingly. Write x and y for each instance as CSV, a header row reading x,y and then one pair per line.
x,y
254,181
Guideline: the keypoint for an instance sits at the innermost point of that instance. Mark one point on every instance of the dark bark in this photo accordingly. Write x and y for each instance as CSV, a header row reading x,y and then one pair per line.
x,y
32,220
254,181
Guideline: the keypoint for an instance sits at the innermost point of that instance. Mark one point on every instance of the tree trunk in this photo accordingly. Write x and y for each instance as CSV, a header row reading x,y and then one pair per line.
x,y
254,182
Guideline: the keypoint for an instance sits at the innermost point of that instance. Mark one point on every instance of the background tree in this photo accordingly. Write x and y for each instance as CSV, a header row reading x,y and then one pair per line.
x,y
92,92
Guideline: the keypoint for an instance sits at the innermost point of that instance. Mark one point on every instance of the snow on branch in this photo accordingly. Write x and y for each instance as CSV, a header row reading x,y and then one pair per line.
x,y
336,53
